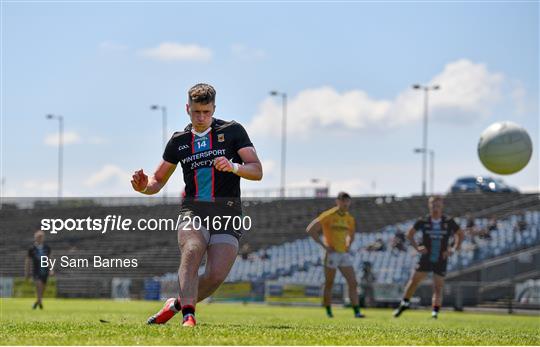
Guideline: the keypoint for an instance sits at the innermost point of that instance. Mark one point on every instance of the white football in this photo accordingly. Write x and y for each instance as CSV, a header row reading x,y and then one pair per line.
x,y
504,148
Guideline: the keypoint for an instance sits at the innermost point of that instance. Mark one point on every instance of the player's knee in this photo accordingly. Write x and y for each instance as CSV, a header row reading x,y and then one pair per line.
x,y
191,249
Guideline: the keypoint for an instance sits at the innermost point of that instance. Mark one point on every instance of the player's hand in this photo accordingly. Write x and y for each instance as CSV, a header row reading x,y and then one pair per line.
x,y
52,273
421,249
223,164
139,180
448,253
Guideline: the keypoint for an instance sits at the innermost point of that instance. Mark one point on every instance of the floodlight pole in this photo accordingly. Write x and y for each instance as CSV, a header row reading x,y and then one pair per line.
x,y
426,90
283,138
431,167
164,135
432,171
60,150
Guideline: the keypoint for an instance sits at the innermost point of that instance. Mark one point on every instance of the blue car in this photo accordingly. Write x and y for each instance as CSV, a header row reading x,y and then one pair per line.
x,y
481,184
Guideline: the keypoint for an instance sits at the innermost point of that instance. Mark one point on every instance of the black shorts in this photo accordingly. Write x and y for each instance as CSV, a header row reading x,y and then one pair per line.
x,y
426,265
215,218
41,276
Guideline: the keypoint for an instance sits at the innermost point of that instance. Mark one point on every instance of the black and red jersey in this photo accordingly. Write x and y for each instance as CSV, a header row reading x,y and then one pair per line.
x,y
196,153
436,235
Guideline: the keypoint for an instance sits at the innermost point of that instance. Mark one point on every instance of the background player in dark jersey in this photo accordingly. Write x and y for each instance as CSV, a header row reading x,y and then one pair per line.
x,y
33,259
214,155
435,249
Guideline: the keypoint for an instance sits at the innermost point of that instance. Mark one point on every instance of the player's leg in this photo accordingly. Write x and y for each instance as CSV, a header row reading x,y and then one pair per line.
x,y
193,244
42,290
352,284
329,276
410,288
414,281
436,300
39,292
221,254
40,285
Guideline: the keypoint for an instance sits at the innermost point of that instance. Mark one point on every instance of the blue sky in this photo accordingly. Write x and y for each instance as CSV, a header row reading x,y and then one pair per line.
x,y
347,69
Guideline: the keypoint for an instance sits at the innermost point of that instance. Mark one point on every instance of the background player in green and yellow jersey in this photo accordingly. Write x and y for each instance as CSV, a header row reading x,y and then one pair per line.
x,y
338,228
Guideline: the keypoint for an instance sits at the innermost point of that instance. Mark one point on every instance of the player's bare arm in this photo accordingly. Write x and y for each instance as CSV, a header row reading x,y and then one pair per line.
x,y
250,170
314,230
153,184
410,237
460,235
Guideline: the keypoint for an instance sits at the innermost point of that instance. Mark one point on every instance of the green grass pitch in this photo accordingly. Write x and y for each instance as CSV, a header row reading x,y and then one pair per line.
x,y
77,322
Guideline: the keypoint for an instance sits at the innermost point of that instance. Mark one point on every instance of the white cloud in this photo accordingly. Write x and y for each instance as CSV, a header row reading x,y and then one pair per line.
x,y
107,174
170,51
468,91
70,137
247,53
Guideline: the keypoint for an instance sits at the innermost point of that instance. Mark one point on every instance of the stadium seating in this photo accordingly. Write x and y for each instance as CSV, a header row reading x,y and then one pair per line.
x,y
300,261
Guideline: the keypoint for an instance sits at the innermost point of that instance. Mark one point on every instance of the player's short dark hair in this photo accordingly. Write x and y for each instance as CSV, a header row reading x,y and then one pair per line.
x,y
343,196
202,93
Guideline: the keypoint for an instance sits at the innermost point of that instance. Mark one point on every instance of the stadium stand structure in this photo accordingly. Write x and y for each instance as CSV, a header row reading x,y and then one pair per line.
x,y
300,261
278,229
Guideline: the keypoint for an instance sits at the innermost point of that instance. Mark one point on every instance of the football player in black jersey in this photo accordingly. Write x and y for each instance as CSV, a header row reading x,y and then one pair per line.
x,y
214,155
437,230
33,259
